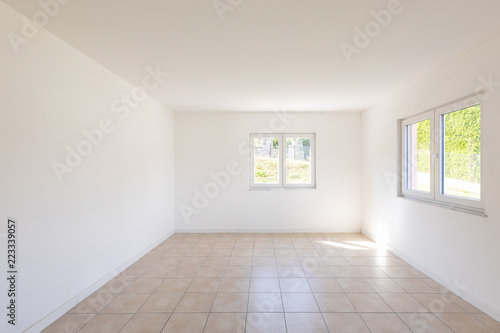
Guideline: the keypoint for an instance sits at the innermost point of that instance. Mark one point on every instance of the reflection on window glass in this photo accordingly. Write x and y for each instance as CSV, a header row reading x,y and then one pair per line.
x,y
298,160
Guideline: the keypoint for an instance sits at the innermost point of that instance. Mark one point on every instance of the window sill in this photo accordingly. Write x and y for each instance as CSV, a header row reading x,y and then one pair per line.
x,y
468,210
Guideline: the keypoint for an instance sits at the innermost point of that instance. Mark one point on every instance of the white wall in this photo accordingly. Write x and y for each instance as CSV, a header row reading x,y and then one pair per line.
x,y
116,204
448,245
206,142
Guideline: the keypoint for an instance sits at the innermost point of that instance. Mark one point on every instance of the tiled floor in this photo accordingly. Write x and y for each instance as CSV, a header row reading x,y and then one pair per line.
x,y
272,283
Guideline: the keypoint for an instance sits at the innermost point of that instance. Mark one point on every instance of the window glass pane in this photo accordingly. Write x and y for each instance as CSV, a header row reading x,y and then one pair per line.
x,y
266,160
462,153
418,149
298,160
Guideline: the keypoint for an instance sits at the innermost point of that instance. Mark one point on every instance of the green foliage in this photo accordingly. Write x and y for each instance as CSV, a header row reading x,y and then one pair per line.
x,y
463,131
266,171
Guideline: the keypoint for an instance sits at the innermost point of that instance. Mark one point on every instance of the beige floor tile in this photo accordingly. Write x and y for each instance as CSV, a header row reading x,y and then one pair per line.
x,y
192,261
288,261
199,252
156,272
424,323
291,271
242,252
243,245
365,302
327,285
143,286
464,323
264,271
345,323
126,303
161,303
385,286
186,323
167,262
238,271
106,323
279,282
211,271
225,322
196,302
264,261
145,261
115,286
305,323
299,302
221,252
317,271
69,323
216,261
488,321
415,286
294,285
230,302
240,261
416,272
260,252
146,323
263,244
370,272
206,285
235,285
360,261
402,302
93,304
264,285
469,308
343,271
436,286
385,323
265,302
173,285
311,261
265,323
285,252
355,285
398,273
133,272
334,302
335,261
438,303
183,271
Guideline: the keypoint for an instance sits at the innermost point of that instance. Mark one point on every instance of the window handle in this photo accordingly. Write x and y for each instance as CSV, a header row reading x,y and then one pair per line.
x,y
434,157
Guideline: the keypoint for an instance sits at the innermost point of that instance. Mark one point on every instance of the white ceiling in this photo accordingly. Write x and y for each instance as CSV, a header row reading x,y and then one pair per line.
x,y
270,54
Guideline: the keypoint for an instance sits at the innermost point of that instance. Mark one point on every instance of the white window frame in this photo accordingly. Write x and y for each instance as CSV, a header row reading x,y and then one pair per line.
x,y
404,134
282,183
436,196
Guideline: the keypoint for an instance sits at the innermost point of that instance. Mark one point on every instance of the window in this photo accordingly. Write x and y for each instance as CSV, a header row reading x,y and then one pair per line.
x,y
282,160
441,155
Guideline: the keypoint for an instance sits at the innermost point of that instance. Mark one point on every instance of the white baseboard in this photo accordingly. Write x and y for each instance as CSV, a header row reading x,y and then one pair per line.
x,y
270,231
60,311
450,285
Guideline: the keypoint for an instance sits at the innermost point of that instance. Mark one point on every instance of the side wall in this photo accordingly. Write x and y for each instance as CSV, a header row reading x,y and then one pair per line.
x,y
457,249
118,202
207,142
